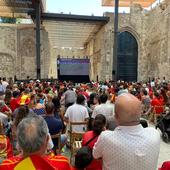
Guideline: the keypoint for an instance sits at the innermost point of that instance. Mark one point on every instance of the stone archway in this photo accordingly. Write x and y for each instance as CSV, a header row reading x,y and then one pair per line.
x,y
127,61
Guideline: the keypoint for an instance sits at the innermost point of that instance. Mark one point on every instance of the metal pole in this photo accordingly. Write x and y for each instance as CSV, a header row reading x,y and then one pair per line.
x,y
115,46
38,45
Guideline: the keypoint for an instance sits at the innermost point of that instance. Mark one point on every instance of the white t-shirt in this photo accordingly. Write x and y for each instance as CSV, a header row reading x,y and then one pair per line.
x,y
77,113
105,109
128,148
5,84
152,83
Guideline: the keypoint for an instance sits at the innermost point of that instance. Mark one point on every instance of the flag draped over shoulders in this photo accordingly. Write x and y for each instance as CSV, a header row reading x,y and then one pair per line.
x,y
35,162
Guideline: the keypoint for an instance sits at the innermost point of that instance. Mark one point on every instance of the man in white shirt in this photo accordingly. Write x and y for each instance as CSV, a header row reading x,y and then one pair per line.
x,y
129,146
77,113
105,109
4,83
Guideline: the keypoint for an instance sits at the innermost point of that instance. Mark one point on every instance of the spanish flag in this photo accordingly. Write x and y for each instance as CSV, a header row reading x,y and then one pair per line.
x,y
35,162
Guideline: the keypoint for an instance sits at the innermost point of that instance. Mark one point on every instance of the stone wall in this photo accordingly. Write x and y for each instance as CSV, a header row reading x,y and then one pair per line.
x,y
151,30
17,51
93,50
8,51
157,41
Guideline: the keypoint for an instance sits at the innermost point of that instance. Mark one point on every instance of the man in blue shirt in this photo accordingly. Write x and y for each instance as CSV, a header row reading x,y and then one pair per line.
x,y
55,125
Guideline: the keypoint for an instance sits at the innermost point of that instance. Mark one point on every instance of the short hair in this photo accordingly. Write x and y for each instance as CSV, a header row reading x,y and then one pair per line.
x,y
80,99
103,98
156,94
49,107
15,94
31,134
145,92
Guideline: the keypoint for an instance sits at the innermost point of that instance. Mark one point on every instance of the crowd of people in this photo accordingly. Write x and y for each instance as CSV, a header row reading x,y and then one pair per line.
x,y
116,133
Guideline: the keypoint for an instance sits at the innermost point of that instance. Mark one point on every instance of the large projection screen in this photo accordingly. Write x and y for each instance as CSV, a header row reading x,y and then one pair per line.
x,y
73,67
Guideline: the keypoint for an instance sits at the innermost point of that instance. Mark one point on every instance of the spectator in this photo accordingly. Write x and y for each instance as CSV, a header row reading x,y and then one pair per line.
x,y
2,90
23,111
123,89
77,113
157,101
8,96
57,105
14,101
93,101
32,102
33,132
4,108
4,83
39,108
146,101
83,92
25,97
30,111
69,97
6,150
54,125
4,119
99,124
157,107
58,112
129,146
105,109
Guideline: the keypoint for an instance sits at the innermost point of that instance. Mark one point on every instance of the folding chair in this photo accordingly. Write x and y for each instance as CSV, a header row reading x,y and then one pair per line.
x,y
58,138
75,138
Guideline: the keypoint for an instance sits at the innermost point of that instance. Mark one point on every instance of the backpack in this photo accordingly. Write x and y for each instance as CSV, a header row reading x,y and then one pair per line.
x,y
84,155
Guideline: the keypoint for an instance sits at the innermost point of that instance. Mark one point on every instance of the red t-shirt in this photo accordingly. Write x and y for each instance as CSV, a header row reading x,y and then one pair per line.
x,y
158,105
4,109
14,103
96,163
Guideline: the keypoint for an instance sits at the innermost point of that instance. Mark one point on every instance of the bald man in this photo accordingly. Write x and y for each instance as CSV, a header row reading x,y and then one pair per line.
x,y
129,146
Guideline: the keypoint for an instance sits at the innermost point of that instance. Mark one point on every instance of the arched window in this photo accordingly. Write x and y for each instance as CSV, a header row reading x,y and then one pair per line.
x,y
127,60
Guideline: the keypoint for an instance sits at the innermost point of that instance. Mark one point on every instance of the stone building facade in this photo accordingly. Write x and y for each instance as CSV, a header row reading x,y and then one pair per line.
x,y
18,52
151,30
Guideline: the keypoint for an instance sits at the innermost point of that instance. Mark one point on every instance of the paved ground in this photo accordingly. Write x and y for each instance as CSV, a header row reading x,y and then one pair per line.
x,y
164,154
